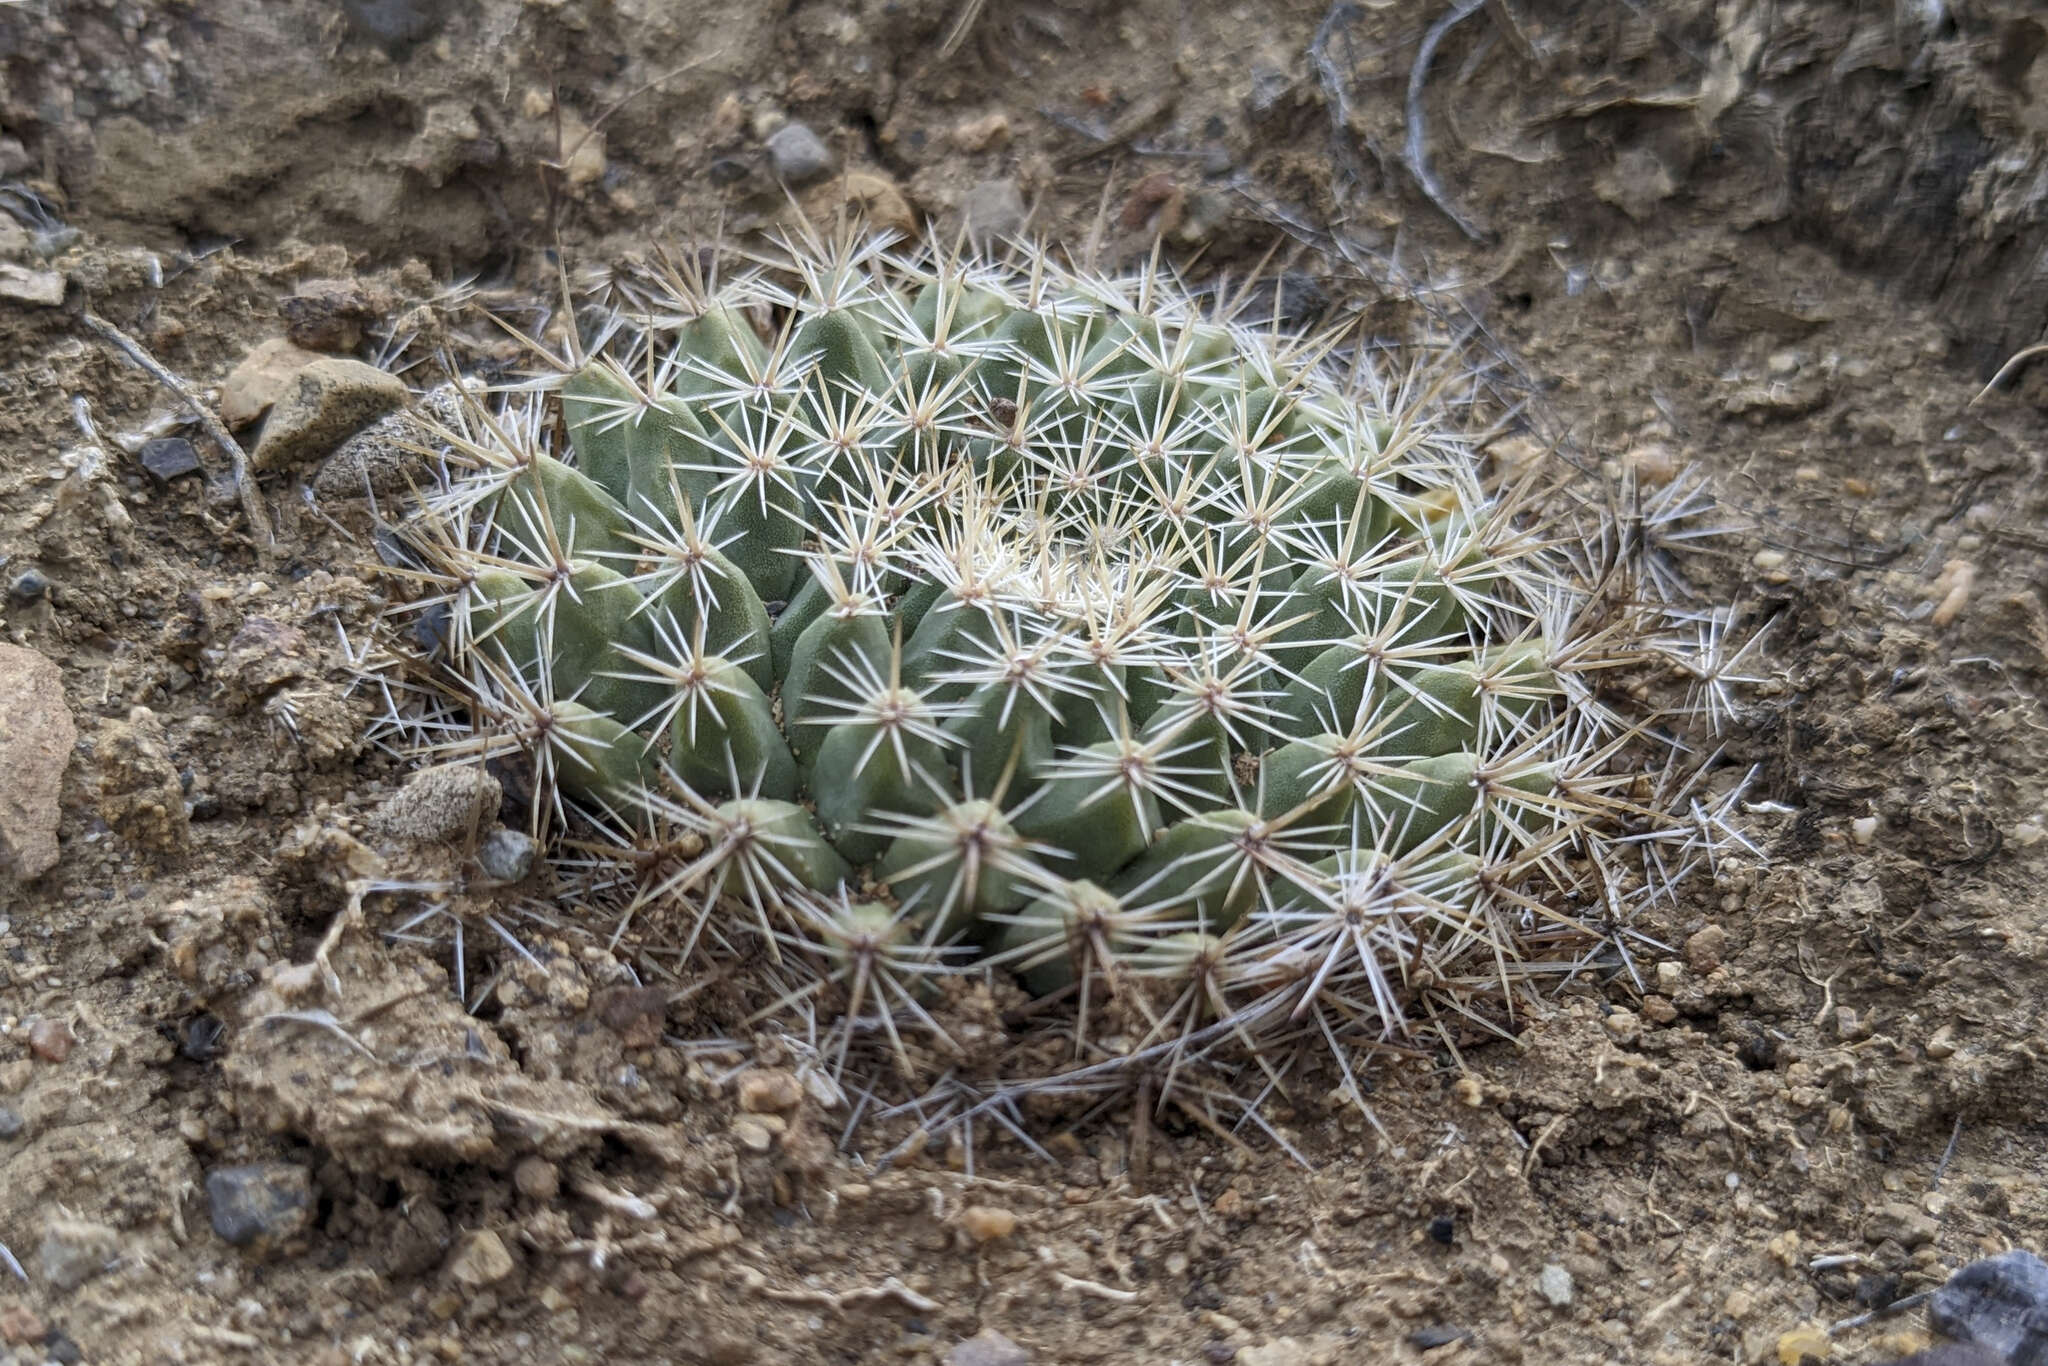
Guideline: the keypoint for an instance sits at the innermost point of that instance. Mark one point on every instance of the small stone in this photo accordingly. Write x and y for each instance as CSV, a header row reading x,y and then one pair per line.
x,y
1997,1303
798,155
1435,1336
325,403
14,158
396,25
392,454
992,211
769,1090
254,385
1670,976
752,1135
51,1040
1808,1342
444,804
1863,830
11,1123
1624,1026
1784,363
1658,1010
1902,1224
1443,1228
506,855
1704,949
987,1348
866,194
42,288
19,1324
29,588
481,1260
978,135
1738,1305
986,1223
727,171
36,736
328,315
139,793
261,1202
76,1250
168,458
58,1347
536,1178
1554,1283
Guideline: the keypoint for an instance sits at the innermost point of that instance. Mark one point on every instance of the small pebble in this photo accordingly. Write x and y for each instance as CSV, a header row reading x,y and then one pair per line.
x,y
259,1201
50,1040
506,855
986,1223
1807,1342
988,1348
769,1090
1554,1283
752,1135
727,171
1704,949
536,1178
11,1123
798,155
168,458
29,587
1624,1026
1443,1229
1863,830
19,1324
1998,1303
76,1250
1437,1335
481,1260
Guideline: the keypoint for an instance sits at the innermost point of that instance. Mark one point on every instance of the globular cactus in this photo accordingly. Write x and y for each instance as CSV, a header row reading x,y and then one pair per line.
x,y
951,616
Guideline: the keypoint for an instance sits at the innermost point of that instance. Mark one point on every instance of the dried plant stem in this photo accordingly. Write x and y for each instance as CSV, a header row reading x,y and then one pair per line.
x,y
238,459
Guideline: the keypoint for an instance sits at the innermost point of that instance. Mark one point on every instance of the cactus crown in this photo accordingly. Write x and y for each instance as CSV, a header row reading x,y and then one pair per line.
x,y
903,616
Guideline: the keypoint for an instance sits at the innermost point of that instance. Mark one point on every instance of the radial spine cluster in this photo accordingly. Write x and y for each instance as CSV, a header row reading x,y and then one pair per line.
x,y
905,615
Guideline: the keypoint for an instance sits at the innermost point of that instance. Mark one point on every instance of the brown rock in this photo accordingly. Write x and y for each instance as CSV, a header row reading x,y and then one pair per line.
x,y
1703,951
43,288
254,385
50,1040
328,315
264,655
36,736
986,1223
481,1260
450,802
140,796
19,1324
978,135
862,194
770,1090
324,404
536,1178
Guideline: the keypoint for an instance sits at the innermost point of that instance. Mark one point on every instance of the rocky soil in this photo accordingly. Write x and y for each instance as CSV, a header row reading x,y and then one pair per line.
x,y
1789,242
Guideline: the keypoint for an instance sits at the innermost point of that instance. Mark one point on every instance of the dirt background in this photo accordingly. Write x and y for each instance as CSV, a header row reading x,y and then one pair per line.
x,y
1788,241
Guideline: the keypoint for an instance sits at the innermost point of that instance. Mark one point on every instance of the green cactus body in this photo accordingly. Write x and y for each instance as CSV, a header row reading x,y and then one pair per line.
x,y
1067,623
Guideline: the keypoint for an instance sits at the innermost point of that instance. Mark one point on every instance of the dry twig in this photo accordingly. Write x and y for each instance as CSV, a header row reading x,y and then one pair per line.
x,y
238,459
1416,153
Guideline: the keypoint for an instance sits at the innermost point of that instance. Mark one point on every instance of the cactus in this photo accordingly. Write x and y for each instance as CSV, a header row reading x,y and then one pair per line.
x,y
1023,622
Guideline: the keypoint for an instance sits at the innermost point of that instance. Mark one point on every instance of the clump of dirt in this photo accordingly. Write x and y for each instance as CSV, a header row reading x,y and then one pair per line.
x,y
247,1108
